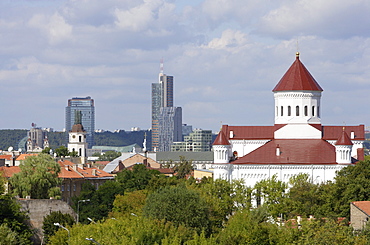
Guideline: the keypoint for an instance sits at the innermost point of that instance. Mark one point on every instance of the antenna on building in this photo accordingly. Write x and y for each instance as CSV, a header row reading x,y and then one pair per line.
x,y
161,66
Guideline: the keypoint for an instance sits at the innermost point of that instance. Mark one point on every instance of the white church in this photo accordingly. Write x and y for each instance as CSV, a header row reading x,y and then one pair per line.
x,y
296,143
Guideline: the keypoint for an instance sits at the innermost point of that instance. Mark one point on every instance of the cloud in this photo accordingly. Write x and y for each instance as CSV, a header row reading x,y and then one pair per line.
x,y
330,19
55,27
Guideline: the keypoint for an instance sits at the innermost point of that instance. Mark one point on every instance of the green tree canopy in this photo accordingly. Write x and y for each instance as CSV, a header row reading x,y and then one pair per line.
x,y
109,155
55,217
13,221
136,179
178,205
38,178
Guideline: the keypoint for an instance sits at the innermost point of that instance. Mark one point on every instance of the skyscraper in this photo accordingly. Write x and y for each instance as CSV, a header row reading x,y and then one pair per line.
x,y
170,127
87,111
162,96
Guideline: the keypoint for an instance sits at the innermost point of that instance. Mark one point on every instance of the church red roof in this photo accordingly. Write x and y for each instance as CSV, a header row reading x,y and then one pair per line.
x,y
297,78
221,139
333,132
344,139
292,151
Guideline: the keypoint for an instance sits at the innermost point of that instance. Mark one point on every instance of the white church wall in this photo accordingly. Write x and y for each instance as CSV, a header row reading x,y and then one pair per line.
x,y
251,174
243,147
297,131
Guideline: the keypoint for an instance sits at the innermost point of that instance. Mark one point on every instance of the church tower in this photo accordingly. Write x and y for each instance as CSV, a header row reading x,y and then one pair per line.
x,y
297,96
297,103
221,149
77,138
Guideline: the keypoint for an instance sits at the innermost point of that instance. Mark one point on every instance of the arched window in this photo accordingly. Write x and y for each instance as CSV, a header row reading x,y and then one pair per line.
x,y
80,152
297,111
313,111
305,111
282,114
289,111
80,138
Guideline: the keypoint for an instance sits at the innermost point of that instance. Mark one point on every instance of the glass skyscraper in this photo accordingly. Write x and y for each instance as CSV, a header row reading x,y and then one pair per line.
x,y
87,109
162,96
170,127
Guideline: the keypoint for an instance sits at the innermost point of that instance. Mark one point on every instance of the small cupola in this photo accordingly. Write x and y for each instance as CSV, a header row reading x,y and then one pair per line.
x,y
221,149
343,148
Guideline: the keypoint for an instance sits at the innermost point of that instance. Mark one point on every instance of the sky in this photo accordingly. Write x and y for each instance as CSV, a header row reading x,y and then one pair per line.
x,y
226,56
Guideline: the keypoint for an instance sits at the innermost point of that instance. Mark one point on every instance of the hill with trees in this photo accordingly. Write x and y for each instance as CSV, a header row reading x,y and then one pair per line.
x,y
17,138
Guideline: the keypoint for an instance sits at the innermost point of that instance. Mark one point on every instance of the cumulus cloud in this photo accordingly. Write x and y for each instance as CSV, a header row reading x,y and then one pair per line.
x,y
55,27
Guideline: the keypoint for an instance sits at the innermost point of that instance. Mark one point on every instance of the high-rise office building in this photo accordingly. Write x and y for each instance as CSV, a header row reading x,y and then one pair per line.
x,y
162,96
170,127
85,108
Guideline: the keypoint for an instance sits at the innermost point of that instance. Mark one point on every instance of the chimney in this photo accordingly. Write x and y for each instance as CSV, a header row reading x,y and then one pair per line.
x,y
145,162
278,150
93,172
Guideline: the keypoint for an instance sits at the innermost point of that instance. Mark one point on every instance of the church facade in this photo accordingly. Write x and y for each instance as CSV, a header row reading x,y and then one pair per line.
x,y
296,143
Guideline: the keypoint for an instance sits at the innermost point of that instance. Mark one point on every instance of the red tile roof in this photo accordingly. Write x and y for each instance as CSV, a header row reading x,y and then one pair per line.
x,y
333,132
297,78
21,157
9,171
363,206
6,157
221,139
68,171
77,128
292,151
250,132
344,139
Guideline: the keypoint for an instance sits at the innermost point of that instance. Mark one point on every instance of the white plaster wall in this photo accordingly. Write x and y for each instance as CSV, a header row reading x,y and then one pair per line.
x,y
243,147
251,173
297,131
301,99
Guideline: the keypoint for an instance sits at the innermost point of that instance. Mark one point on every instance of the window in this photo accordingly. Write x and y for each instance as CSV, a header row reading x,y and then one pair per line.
x,y
289,111
282,114
297,111
313,111
305,111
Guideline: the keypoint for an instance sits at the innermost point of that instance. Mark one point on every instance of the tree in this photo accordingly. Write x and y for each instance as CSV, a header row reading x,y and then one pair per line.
x,y
178,205
136,179
13,222
46,150
55,217
303,196
38,178
101,200
223,198
62,151
130,203
352,183
109,156
272,193
183,168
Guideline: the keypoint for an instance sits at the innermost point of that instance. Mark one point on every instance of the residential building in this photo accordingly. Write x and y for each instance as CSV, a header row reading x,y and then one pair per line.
x,y
85,107
169,127
296,144
197,141
359,214
162,96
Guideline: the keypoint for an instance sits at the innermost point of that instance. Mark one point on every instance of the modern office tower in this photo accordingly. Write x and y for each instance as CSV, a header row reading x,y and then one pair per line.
x,y
197,141
169,127
162,96
87,109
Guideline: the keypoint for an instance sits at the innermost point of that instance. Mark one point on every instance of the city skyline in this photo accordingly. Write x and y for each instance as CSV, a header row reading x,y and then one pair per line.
x,y
226,56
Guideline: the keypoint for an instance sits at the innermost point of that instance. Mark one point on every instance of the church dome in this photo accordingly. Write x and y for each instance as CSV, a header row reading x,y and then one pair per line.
x,y
297,78
77,128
